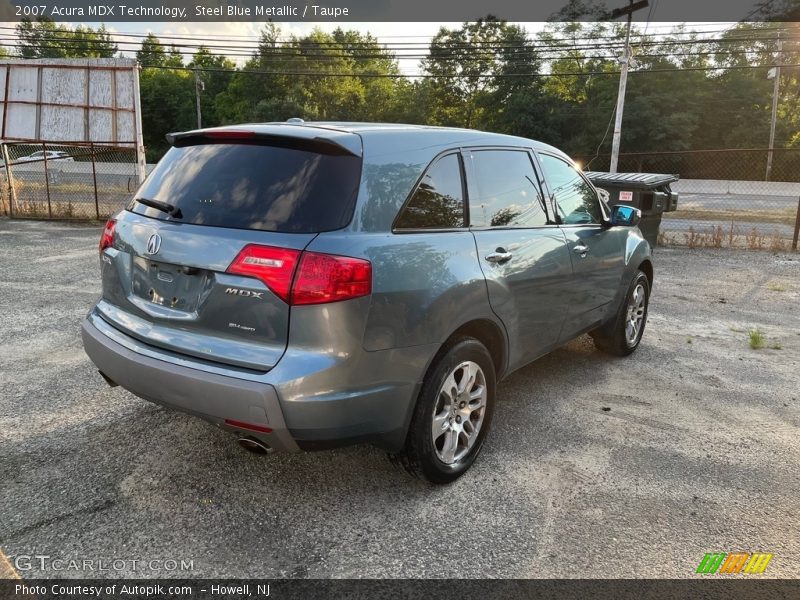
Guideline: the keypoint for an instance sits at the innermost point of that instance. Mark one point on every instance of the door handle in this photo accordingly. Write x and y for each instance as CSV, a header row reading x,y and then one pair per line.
x,y
581,249
499,256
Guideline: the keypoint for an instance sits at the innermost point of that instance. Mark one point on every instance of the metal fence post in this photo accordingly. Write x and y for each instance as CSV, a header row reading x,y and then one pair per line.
x,y
12,191
796,226
47,182
94,179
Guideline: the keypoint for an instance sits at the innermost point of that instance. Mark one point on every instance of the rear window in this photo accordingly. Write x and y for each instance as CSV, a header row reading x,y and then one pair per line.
x,y
254,186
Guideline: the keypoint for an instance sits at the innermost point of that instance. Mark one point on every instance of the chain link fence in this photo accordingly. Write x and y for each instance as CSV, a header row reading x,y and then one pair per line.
x,y
727,197
66,181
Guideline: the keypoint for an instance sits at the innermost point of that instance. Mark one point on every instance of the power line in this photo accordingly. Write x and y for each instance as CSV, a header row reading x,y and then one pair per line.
x,y
484,44
54,42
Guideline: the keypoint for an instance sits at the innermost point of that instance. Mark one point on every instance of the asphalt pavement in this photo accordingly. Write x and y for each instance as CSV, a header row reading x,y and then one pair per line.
x,y
595,466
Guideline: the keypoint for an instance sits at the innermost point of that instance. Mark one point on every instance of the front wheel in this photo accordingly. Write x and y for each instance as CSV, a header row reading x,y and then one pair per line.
x,y
622,334
453,414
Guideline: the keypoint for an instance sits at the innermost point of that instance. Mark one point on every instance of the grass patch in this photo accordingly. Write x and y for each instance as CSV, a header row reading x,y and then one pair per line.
x,y
774,286
737,213
757,339
717,236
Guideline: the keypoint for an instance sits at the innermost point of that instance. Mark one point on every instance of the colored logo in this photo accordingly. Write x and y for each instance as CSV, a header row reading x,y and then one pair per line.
x,y
734,562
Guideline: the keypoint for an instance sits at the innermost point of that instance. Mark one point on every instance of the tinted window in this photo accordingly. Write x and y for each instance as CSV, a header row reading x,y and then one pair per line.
x,y
507,194
576,200
253,186
438,202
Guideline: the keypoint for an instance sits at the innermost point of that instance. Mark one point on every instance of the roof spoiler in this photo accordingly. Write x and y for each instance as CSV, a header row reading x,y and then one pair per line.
x,y
337,143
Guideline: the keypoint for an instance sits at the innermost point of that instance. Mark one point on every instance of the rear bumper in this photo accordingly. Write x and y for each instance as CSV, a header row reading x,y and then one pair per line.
x,y
210,396
309,400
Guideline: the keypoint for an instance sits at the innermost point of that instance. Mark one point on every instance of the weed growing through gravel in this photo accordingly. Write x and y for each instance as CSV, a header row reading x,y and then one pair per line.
x,y
757,338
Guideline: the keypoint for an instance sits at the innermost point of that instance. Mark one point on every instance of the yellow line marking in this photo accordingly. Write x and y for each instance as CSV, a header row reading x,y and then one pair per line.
x,y
7,571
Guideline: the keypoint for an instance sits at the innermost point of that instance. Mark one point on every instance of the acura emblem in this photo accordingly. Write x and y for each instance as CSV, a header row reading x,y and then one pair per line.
x,y
154,244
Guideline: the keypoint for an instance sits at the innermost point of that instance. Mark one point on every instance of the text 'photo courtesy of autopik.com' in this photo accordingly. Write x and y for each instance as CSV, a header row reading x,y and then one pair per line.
x,y
398,299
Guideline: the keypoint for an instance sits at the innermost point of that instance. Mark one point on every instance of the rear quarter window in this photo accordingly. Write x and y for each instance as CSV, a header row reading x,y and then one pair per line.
x,y
254,186
438,201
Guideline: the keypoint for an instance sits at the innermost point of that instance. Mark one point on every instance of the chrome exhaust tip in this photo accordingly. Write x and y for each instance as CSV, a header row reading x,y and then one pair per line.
x,y
255,446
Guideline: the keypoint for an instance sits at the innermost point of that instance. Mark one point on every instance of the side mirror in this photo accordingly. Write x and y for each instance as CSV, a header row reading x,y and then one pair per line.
x,y
625,216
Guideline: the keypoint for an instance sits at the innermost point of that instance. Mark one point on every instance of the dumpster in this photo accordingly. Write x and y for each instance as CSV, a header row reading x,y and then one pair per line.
x,y
649,192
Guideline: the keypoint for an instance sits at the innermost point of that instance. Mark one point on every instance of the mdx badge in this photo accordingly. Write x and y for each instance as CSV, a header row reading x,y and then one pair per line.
x,y
154,244
244,293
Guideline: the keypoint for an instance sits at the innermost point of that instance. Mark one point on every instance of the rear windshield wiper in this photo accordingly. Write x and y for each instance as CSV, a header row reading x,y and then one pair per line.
x,y
166,207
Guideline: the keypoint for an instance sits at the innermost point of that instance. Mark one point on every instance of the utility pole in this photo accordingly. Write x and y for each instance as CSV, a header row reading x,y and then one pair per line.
x,y
776,72
199,87
623,78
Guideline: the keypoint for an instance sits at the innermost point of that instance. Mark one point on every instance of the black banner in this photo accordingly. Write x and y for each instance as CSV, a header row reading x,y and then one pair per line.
x,y
395,10
461,589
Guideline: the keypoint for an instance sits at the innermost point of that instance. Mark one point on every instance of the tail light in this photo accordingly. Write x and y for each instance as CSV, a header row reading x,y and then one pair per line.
x,y
325,278
300,278
107,237
274,266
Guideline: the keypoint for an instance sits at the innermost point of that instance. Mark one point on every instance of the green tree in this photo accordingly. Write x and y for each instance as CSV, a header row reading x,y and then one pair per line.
x,y
466,66
327,76
152,53
43,38
578,96
167,99
215,73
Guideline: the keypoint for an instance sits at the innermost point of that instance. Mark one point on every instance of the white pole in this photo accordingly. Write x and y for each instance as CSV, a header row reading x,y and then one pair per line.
x,y
141,161
775,89
197,89
623,82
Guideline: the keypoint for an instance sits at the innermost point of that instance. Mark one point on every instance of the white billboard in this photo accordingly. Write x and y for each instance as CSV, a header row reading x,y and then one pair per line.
x,y
72,101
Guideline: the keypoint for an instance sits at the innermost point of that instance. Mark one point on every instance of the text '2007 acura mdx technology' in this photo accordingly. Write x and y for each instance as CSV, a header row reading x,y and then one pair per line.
x,y
306,285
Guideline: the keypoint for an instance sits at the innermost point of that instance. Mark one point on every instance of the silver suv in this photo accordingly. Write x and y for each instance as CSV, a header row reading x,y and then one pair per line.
x,y
305,285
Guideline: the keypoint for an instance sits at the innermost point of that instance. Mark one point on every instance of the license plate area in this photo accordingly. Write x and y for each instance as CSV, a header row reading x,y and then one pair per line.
x,y
172,286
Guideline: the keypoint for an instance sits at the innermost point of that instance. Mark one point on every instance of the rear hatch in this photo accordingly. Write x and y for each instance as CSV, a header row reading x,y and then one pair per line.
x,y
173,276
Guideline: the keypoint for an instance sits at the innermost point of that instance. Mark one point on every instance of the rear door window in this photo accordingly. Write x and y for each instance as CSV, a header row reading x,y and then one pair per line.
x,y
255,186
438,201
507,192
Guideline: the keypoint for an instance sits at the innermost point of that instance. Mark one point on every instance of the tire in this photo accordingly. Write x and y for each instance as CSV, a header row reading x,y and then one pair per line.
x,y
617,337
433,457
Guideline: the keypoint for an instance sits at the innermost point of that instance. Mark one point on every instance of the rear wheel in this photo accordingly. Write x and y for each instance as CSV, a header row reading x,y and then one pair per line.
x,y
621,335
453,414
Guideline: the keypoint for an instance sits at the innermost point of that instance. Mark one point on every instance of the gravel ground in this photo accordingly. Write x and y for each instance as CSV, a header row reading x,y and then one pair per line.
x,y
595,467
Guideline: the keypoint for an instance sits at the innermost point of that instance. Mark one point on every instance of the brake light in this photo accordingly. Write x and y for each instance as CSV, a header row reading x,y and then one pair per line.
x,y
305,278
274,266
107,237
231,134
325,278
